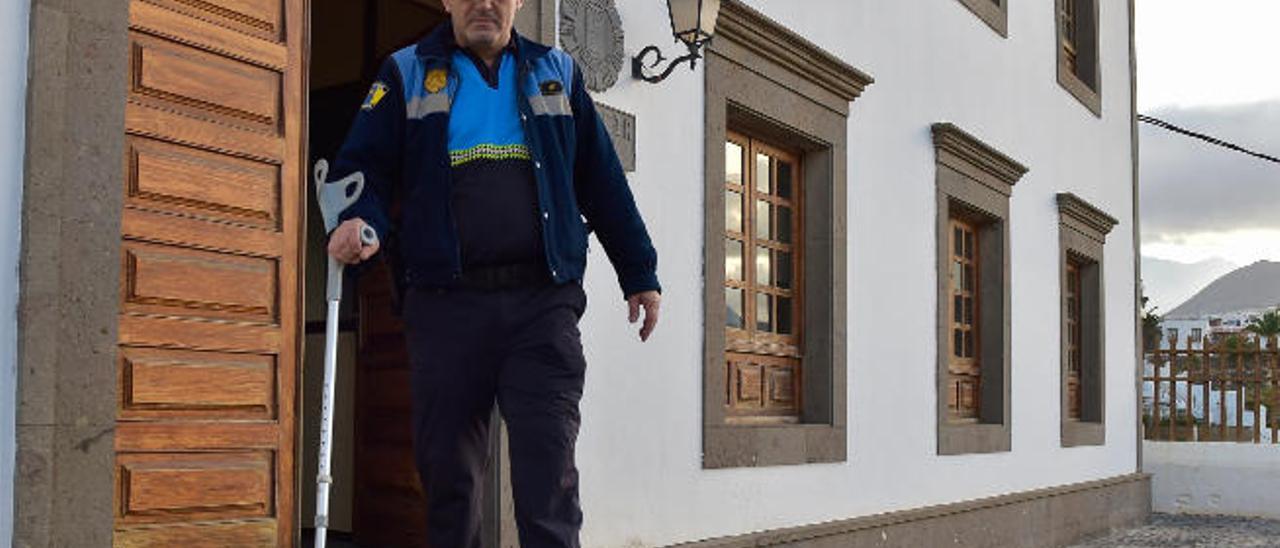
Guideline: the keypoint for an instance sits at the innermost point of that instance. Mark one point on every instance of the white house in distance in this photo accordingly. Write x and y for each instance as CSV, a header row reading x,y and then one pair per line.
x,y
896,240
1184,330
1212,326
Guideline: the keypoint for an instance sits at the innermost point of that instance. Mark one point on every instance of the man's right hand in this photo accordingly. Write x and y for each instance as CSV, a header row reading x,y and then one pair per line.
x,y
345,246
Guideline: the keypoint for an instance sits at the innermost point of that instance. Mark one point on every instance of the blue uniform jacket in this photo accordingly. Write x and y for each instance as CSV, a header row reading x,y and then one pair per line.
x,y
399,140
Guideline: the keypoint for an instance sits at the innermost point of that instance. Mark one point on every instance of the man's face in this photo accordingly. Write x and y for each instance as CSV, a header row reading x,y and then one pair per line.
x,y
482,24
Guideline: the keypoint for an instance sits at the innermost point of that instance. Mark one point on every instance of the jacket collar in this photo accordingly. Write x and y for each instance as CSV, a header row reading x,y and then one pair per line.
x,y
440,44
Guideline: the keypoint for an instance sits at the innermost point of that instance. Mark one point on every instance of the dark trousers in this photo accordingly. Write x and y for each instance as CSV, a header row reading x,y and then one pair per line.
x,y
520,347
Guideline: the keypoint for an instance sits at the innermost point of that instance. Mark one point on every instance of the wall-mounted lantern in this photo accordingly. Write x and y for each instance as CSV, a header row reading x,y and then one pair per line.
x,y
692,22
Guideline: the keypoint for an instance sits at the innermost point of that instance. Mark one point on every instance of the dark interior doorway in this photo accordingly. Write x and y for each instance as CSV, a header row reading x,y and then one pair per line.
x,y
376,500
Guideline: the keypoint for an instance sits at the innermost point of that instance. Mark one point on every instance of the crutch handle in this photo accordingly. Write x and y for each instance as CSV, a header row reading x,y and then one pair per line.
x,y
333,287
368,236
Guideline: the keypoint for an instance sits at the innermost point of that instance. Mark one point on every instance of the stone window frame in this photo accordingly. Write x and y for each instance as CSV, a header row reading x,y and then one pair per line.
x,y
976,180
1088,48
1082,230
764,80
995,13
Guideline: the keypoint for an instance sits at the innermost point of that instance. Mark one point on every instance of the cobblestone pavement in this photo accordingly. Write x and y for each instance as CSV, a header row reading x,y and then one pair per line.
x,y
1181,531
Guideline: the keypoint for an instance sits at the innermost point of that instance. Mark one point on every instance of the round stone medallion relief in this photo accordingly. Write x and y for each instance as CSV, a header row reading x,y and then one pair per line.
x,y
591,31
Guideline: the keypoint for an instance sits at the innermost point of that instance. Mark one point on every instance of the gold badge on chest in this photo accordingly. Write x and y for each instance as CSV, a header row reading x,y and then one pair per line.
x,y
436,80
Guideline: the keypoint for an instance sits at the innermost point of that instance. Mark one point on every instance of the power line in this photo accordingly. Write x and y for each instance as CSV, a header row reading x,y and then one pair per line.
x,y
1206,138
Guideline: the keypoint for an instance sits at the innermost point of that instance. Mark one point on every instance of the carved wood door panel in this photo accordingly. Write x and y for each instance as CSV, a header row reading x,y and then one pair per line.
x,y
208,325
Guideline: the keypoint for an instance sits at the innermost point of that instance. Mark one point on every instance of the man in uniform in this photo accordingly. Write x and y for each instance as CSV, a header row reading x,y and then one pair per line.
x,y
494,151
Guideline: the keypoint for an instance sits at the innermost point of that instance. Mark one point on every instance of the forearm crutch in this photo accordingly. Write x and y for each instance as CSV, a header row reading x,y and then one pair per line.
x,y
334,197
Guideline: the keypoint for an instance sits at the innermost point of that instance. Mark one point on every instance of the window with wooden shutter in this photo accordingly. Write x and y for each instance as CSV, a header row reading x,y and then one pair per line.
x,y
1067,34
775,246
965,368
1078,65
974,185
762,273
1083,229
1073,329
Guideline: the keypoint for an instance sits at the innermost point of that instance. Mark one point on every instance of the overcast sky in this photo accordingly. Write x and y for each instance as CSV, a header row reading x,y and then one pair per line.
x,y
1210,65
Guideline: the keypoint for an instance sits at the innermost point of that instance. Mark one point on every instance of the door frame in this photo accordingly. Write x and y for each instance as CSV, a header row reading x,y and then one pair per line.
x,y
70,273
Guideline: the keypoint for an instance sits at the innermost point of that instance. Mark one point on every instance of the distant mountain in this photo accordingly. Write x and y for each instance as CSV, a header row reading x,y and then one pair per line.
x,y
1170,283
1252,287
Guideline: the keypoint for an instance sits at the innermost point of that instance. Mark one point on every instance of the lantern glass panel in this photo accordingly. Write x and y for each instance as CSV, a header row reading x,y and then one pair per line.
x,y
693,21
684,17
710,11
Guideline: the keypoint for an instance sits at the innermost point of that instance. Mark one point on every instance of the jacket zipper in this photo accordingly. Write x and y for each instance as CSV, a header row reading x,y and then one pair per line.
x,y
448,173
526,111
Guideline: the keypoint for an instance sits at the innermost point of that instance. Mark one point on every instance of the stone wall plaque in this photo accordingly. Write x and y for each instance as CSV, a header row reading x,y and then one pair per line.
x,y
622,130
591,31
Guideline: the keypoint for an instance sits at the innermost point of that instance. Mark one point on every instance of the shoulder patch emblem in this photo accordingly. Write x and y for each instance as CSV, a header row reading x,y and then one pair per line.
x,y
551,87
376,93
436,80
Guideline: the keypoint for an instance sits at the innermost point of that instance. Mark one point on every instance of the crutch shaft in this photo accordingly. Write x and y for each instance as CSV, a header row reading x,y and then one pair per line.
x,y
324,475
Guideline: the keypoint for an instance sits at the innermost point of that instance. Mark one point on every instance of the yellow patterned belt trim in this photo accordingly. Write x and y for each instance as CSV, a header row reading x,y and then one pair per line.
x,y
488,152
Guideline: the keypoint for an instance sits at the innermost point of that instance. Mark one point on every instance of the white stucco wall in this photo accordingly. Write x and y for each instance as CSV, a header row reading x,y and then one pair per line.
x,y
1240,479
13,89
640,446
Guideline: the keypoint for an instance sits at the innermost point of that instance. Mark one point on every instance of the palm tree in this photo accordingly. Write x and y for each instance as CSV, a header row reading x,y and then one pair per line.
x,y
1150,327
1265,327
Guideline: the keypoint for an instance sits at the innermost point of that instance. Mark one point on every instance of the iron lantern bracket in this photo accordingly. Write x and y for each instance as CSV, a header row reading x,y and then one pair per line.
x,y
640,68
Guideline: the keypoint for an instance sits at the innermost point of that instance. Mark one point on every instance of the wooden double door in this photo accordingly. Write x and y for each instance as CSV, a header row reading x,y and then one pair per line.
x,y
213,239
211,244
